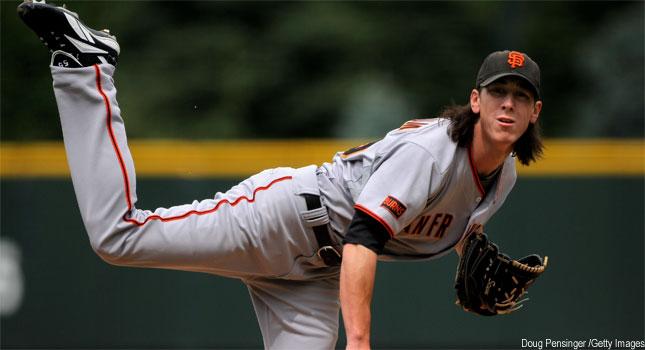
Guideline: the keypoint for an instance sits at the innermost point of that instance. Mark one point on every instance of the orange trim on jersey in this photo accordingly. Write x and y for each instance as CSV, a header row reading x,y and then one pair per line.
x,y
126,181
375,217
119,157
212,210
473,169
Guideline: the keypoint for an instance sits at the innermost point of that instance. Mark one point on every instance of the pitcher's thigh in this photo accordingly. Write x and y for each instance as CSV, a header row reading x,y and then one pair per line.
x,y
297,314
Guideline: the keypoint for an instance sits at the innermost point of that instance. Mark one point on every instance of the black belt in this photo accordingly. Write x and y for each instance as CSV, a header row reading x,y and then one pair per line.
x,y
327,252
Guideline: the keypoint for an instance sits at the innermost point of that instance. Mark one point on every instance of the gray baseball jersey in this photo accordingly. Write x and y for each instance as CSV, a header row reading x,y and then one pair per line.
x,y
416,182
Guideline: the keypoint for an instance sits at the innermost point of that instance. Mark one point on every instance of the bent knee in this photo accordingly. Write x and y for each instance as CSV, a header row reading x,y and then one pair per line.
x,y
109,256
110,247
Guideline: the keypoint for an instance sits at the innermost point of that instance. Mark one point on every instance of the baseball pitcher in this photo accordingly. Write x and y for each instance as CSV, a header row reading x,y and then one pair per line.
x,y
306,241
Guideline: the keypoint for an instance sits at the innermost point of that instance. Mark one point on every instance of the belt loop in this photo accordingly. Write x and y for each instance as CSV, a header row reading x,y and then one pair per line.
x,y
326,250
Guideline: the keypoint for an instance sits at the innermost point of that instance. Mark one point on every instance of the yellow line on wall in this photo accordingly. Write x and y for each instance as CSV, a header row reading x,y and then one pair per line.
x,y
240,158
589,157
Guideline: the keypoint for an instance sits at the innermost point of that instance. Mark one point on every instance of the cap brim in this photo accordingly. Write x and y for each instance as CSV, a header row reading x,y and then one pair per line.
x,y
506,74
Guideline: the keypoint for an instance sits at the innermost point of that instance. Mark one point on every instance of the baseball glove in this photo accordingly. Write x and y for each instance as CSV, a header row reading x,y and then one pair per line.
x,y
491,283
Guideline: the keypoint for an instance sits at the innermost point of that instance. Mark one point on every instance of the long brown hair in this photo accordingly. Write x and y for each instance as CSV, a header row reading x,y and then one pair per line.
x,y
528,148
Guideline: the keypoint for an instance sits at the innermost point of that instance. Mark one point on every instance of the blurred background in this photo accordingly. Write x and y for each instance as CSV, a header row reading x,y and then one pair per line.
x,y
336,69
240,86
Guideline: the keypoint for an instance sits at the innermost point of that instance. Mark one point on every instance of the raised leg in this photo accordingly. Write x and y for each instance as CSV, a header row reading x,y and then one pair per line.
x,y
251,230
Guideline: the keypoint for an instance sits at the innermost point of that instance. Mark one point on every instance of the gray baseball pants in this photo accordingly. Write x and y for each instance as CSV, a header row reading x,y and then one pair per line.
x,y
258,231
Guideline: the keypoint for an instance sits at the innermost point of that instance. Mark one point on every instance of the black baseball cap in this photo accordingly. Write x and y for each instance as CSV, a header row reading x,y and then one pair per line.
x,y
509,63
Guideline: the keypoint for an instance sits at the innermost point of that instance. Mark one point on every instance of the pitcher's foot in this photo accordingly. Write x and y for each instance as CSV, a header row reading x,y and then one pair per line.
x,y
69,40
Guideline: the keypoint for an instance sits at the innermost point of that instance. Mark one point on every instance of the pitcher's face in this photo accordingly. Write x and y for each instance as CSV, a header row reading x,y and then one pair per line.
x,y
506,107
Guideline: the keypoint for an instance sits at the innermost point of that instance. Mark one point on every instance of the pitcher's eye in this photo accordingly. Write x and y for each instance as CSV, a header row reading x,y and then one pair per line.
x,y
522,95
497,91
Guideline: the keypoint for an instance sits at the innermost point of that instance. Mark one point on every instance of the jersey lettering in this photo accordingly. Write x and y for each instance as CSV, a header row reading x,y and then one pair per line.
x,y
445,223
434,225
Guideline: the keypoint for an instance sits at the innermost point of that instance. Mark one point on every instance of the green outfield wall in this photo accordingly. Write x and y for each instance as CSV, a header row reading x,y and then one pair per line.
x,y
591,228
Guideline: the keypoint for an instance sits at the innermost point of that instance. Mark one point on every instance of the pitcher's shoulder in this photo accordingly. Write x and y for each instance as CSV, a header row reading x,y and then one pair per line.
x,y
434,137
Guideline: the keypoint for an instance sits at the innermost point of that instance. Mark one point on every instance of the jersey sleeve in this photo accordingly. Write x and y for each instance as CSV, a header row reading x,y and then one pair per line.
x,y
366,231
398,188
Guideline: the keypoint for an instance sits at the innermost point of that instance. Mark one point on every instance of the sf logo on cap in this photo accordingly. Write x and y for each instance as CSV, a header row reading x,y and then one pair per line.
x,y
515,59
